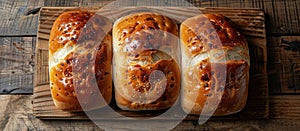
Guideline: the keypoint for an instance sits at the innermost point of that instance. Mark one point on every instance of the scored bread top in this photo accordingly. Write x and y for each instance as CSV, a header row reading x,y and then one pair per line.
x,y
215,65
204,32
145,43
79,46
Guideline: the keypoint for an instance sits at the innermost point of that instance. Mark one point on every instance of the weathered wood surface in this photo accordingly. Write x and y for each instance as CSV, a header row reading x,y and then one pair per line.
x,y
282,18
282,15
250,21
14,21
19,17
16,114
285,107
284,64
16,64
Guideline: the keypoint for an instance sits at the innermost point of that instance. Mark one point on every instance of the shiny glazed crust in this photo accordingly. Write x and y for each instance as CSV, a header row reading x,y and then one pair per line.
x,y
145,43
215,59
80,61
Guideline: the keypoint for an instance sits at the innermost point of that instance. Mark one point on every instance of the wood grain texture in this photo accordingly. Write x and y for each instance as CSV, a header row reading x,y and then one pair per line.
x,y
282,16
14,21
284,64
75,3
16,114
251,22
285,107
16,64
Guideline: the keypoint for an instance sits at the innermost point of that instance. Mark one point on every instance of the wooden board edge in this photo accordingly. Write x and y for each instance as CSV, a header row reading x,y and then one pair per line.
x,y
278,101
45,8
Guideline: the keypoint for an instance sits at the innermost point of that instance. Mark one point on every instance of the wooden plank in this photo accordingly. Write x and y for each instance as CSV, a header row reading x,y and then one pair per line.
x,y
285,106
284,64
282,16
62,3
16,64
16,114
75,3
14,21
253,22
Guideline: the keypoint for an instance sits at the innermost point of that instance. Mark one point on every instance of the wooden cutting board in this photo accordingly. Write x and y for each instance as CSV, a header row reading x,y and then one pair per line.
x,y
251,22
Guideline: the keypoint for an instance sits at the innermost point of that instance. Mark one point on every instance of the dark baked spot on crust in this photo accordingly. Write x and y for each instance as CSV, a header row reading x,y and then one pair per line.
x,y
206,85
149,18
204,77
68,72
172,85
89,56
68,61
172,78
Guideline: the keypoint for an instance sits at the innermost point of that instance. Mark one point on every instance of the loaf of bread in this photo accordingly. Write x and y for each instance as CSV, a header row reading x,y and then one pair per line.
x,y
215,66
80,55
146,56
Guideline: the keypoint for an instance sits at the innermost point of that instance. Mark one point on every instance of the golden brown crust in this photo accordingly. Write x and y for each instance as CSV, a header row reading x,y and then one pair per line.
x,y
139,82
141,45
134,23
75,54
215,65
195,96
210,31
66,29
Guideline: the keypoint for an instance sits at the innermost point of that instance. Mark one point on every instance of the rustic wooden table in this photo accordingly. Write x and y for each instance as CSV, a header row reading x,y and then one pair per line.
x,y
18,29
